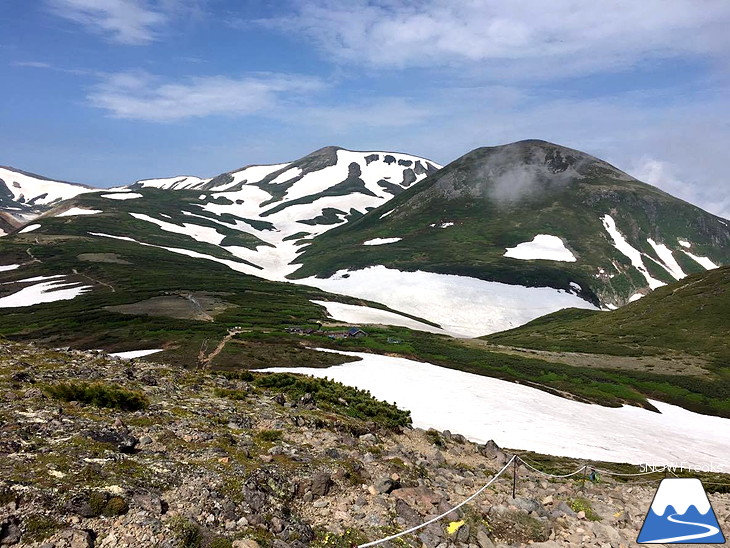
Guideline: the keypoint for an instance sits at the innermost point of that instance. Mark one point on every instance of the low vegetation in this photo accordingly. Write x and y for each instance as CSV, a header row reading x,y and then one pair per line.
x,y
335,396
98,394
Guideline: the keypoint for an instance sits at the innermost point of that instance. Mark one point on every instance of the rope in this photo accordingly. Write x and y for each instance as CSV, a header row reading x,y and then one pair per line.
x,y
551,475
432,520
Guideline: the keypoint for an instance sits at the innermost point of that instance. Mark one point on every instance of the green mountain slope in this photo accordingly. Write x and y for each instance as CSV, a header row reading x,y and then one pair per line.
x,y
690,316
462,219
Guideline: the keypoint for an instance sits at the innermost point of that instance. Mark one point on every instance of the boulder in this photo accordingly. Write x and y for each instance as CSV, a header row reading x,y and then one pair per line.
x,y
321,484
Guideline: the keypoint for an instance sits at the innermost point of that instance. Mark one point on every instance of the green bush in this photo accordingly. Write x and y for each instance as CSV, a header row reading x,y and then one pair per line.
x,y
335,396
584,505
98,394
186,532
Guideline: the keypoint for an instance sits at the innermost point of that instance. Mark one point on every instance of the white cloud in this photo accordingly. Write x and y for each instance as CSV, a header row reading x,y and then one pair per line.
x,y
560,37
133,22
142,96
380,112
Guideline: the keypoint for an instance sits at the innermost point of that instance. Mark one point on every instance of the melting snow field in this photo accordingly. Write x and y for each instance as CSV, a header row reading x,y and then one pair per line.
x,y
48,289
130,355
704,261
78,211
351,313
122,196
462,306
520,417
29,228
7,267
382,241
542,246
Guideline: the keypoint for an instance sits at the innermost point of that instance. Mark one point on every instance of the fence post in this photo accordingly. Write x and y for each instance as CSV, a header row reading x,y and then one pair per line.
x,y
514,478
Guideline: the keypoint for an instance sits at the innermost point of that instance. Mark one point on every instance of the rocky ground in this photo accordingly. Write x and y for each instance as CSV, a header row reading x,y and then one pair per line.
x,y
193,458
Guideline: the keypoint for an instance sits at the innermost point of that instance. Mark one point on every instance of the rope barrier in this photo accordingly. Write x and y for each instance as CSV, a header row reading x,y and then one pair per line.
x,y
432,520
523,461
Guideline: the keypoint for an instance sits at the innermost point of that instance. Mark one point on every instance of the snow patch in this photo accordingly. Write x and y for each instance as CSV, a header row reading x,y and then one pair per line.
x,y
633,254
288,175
384,215
462,306
667,259
576,286
365,315
521,417
382,241
122,196
43,292
135,353
196,232
704,261
635,297
29,228
684,243
610,306
542,247
8,267
78,211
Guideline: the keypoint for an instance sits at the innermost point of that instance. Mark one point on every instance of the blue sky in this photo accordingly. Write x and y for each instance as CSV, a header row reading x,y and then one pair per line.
x,y
106,92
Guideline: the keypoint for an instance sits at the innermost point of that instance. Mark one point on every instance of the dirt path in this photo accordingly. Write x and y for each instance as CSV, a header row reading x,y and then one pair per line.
x,y
94,280
205,361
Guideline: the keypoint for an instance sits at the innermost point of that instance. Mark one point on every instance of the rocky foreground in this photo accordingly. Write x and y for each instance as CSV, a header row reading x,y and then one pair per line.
x,y
163,456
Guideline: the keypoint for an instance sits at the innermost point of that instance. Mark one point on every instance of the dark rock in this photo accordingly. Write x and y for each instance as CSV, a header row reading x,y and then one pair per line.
x,y
280,399
444,506
492,451
22,376
121,438
78,538
321,484
151,502
128,444
529,505
565,510
409,515
483,539
386,485
9,531
33,393
462,535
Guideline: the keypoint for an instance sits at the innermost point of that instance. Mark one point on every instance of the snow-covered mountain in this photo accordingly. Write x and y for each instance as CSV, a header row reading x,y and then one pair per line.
x,y
495,239
531,215
23,196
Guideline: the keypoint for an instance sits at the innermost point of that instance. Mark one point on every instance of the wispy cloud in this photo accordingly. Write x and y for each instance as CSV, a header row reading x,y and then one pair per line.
x,y
142,96
132,22
31,64
561,37
380,112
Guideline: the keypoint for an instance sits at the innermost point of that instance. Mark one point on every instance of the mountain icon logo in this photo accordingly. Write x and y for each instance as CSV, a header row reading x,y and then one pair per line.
x,y
680,513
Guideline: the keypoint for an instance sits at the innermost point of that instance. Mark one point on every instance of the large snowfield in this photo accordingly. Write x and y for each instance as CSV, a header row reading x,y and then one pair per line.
x,y
355,314
462,306
44,289
519,417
